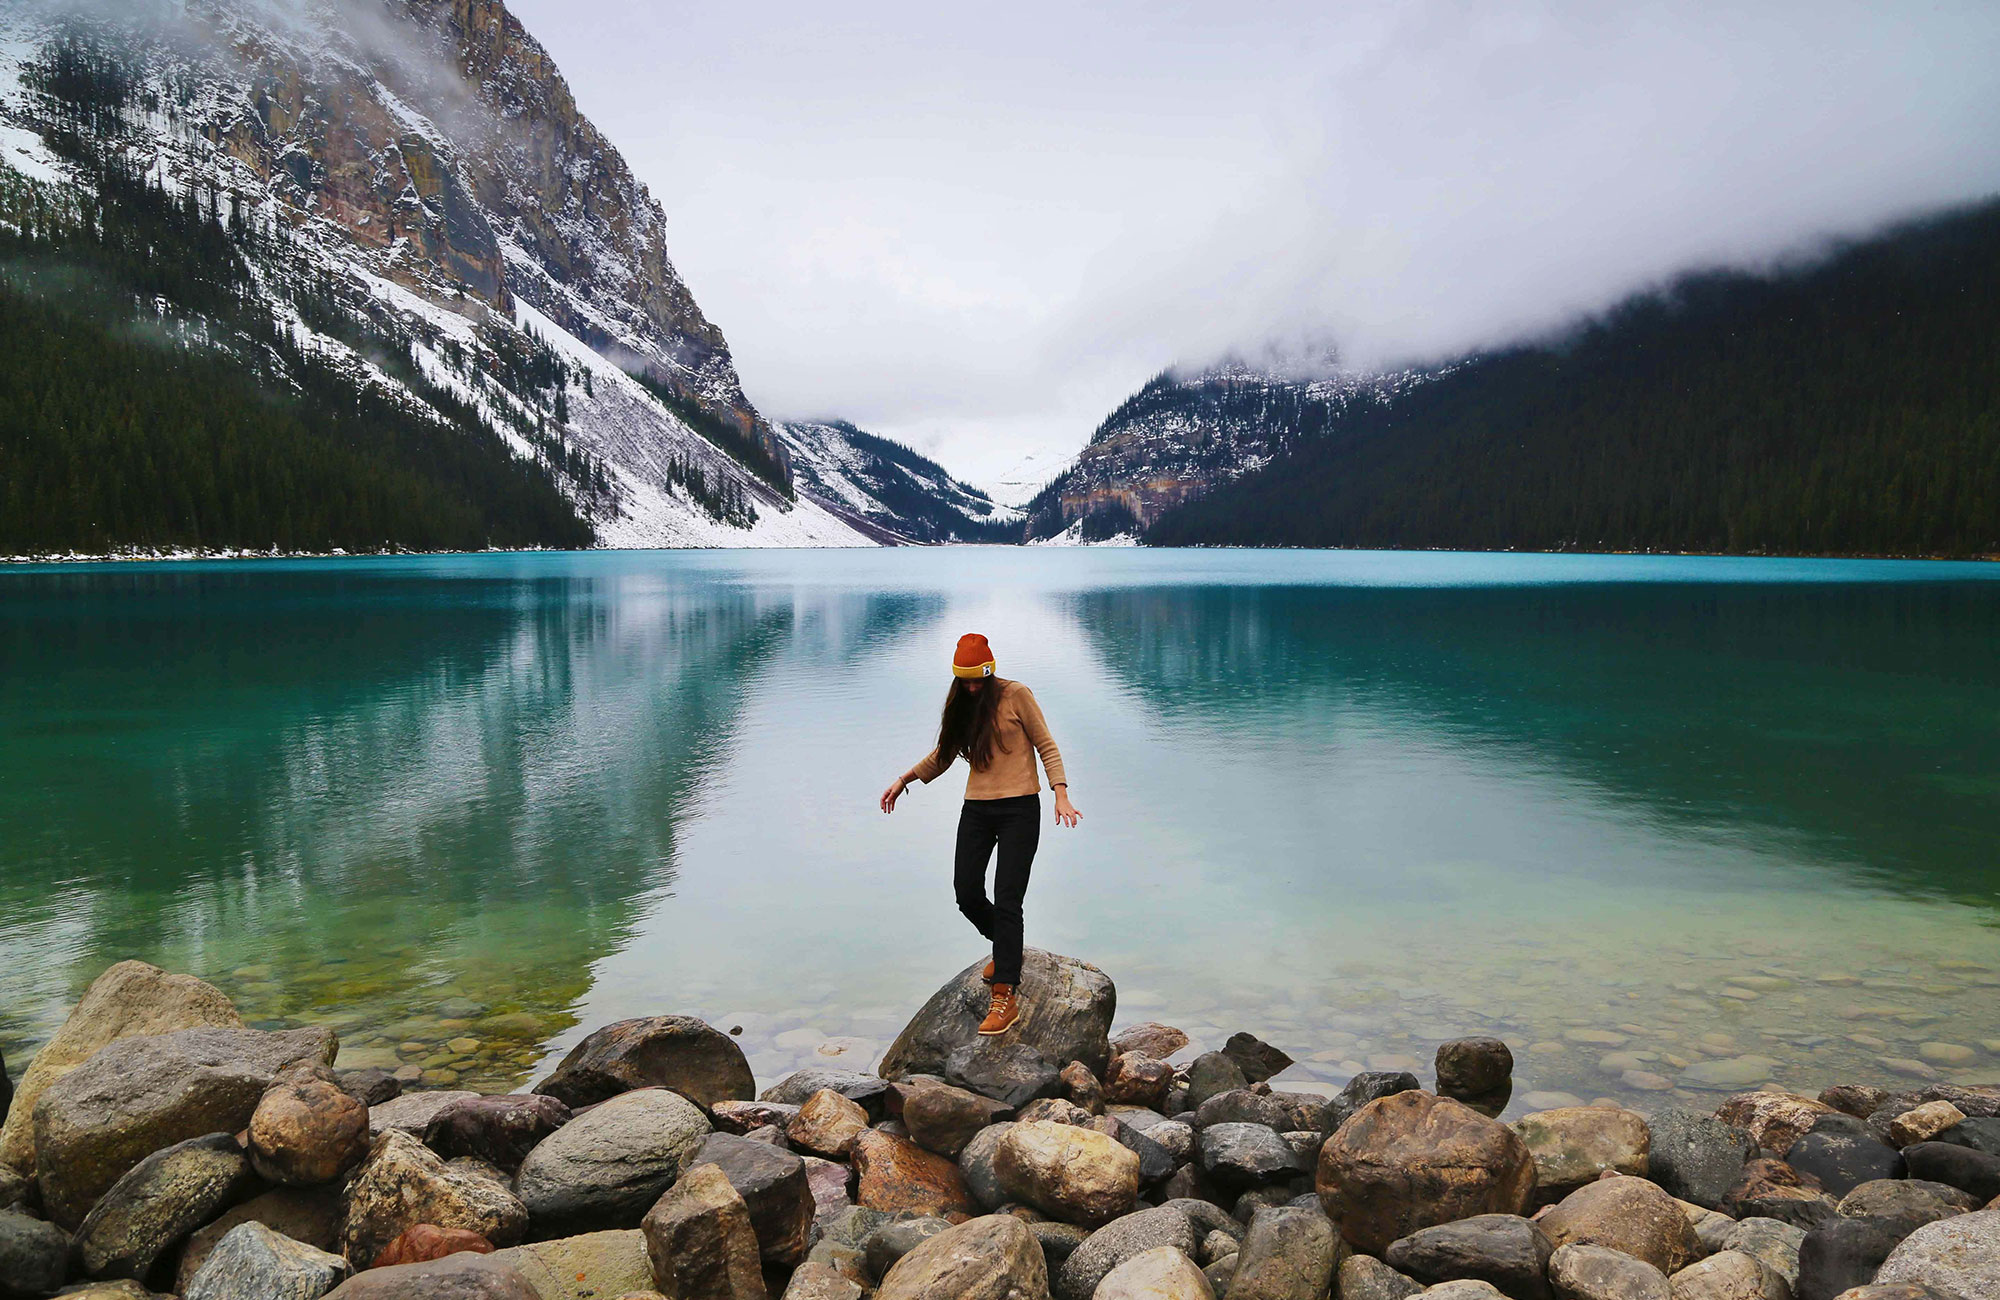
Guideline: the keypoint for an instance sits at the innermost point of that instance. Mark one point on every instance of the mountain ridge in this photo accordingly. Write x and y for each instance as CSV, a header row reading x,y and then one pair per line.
x,y
410,194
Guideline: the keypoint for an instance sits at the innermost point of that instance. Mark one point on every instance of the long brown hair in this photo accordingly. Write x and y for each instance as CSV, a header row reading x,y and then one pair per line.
x,y
966,730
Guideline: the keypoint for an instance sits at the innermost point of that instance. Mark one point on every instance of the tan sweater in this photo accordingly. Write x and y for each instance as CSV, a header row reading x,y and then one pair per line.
x,y
1019,733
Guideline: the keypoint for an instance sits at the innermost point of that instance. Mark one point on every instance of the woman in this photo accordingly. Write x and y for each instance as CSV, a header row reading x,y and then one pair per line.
x,y
997,728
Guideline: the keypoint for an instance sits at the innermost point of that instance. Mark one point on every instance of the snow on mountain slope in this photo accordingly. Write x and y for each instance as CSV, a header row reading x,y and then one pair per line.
x,y
445,222
883,485
1181,435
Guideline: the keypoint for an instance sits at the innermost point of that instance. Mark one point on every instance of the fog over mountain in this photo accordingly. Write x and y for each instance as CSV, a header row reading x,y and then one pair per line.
x,y
978,229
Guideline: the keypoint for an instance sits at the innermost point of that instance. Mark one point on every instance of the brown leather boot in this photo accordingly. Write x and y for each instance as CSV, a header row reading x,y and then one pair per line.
x,y
1002,1012
987,974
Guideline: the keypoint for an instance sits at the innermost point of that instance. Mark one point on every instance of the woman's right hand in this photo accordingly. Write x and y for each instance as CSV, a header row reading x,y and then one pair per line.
x,y
893,793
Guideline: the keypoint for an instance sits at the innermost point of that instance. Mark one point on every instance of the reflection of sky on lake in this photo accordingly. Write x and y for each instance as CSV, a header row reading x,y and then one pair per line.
x,y
1356,802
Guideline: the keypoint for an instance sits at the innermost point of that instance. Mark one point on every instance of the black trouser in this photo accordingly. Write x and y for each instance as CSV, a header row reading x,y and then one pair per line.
x,y
1016,826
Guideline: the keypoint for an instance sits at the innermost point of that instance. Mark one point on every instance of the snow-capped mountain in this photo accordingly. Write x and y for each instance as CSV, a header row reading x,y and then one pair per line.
x,y
415,202
1180,435
889,491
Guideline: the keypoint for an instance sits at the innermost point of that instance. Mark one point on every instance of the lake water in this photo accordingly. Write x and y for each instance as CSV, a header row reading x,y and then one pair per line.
x,y
1661,823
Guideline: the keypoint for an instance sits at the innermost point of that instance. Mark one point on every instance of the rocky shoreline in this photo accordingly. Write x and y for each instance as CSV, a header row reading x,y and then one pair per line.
x,y
156,1145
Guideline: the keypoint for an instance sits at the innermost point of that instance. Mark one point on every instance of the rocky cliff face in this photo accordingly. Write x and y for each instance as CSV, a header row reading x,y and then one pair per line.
x,y
439,135
435,183
1181,435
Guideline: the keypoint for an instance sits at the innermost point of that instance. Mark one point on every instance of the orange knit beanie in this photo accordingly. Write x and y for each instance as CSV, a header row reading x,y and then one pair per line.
x,y
974,657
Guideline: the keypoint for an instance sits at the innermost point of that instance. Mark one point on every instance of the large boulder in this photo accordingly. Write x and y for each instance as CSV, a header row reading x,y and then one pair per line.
x,y
308,1215
1601,1273
774,1187
827,1125
1843,1253
1290,1253
412,1112
159,1201
1775,1119
1066,1013
403,1183
1696,1157
1957,1257
307,1131
1364,1277
887,1244
1772,1189
1118,1241
606,1168
870,1091
686,1055
943,1118
127,1000
1237,1157
1136,1080
589,1266
1628,1214
1211,1075
894,1174
1068,1173
1369,1085
1149,1039
1505,1249
975,1166
139,1095
1159,1274
455,1277
1574,1145
1411,1160
1911,1199
252,1262
34,1256
1776,1244
1842,1161
1965,1168
700,1242
1011,1073
994,1258
499,1130
1729,1275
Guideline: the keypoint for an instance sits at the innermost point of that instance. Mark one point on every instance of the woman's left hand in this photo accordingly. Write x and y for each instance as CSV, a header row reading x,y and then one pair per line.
x,y
1066,813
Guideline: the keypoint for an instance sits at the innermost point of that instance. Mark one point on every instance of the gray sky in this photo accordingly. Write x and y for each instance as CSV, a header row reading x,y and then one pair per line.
x,y
977,228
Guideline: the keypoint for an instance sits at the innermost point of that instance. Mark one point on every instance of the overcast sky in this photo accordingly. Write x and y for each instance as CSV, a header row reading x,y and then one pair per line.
x,y
978,227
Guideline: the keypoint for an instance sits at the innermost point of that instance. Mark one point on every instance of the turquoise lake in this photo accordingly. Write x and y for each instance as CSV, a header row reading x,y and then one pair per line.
x,y
1666,825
